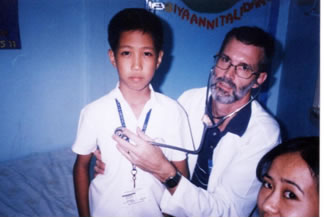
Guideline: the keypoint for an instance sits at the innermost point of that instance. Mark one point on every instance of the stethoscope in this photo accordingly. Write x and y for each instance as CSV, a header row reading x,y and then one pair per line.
x,y
208,101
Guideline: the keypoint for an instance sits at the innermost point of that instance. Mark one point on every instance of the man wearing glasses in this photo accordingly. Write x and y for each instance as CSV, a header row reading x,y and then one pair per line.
x,y
222,176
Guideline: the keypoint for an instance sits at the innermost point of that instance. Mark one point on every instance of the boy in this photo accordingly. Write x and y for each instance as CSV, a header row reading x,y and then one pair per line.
x,y
135,37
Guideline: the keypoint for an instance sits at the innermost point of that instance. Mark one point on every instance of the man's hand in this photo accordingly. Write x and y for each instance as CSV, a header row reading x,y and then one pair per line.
x,y
144,155
100,166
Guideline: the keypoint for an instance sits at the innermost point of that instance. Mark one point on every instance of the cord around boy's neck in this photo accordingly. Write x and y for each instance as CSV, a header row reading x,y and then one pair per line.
x,y
136,99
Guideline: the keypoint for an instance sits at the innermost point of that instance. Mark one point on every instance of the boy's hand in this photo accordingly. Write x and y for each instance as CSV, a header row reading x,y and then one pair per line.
x,y
100,166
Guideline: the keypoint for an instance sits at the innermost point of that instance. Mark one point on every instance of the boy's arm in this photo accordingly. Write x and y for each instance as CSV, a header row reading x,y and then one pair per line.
x,y
100,166
81,183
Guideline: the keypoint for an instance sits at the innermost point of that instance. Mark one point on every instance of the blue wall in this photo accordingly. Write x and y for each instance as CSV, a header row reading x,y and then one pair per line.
x,y
300,72
63,64
41,84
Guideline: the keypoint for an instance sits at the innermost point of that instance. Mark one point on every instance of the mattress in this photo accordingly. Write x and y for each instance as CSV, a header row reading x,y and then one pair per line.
x,y
38,185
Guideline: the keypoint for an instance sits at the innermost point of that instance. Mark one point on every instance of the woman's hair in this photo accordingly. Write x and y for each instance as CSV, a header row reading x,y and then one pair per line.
x,y
308,147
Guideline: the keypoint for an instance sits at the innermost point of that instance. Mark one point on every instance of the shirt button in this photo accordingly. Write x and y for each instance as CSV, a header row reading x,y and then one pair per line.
x,y
214,133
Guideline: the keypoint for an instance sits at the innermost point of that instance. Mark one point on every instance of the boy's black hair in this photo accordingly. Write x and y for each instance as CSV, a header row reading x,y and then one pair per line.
x,y
308,147
131,19
253,36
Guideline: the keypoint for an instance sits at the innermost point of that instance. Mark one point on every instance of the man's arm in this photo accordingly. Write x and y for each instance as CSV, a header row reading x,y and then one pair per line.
x,y
81,183
181,166
148,157
233,195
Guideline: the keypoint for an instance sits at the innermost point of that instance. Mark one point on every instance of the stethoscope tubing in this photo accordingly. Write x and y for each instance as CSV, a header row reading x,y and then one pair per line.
x,y
118,131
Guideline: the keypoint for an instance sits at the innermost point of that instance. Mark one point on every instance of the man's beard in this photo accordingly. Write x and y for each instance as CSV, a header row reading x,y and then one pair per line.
x,y
224,97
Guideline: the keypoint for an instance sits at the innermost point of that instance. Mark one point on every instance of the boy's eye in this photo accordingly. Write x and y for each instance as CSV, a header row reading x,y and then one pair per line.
x,y
148,54
125,53
290,195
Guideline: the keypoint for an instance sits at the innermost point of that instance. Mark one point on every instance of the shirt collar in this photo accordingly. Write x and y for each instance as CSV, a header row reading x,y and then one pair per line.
x,y
148,105
239,123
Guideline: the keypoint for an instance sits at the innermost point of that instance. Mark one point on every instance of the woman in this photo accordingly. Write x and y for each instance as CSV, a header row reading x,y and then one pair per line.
x,y
290,179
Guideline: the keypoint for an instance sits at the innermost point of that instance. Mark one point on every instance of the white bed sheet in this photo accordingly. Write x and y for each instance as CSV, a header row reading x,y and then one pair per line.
x,y
38,185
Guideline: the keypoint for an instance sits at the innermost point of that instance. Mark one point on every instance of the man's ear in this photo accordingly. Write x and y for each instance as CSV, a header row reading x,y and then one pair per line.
x,y
159,59
260,80
111,56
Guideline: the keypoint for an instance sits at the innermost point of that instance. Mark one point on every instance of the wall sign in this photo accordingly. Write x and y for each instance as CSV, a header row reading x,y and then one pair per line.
x,y
9,27
220,20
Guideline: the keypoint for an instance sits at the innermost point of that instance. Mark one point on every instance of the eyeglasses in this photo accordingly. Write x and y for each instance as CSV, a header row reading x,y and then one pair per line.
x,y
242,70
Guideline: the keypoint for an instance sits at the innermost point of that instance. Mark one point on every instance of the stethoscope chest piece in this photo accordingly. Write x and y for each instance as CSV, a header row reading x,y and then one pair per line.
x,y
119,132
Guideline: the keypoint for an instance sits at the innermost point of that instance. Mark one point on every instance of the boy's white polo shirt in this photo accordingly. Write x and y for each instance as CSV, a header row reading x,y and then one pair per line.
x,y
98,121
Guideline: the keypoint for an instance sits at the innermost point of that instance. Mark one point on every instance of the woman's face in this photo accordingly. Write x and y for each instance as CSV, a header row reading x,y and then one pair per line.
x,y
289,189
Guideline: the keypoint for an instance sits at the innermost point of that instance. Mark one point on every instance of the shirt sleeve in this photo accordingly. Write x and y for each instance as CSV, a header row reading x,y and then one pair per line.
x,y
188,200
85,141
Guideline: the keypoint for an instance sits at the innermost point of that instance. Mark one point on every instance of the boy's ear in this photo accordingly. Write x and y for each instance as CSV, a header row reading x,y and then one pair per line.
x,y
112,57
159,59
262,77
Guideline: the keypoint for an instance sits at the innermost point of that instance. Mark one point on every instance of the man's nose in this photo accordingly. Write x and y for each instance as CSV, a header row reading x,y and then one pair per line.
x,y
230,72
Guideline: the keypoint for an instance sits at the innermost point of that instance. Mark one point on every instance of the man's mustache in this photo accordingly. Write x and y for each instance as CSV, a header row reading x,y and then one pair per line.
x,y
224,80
